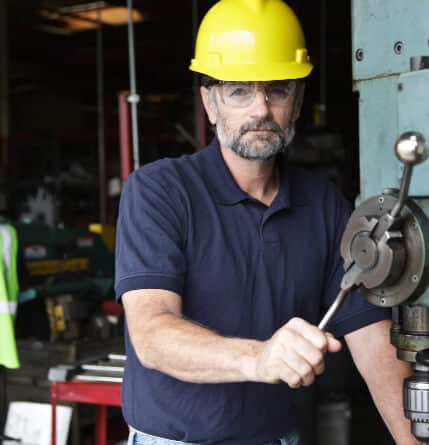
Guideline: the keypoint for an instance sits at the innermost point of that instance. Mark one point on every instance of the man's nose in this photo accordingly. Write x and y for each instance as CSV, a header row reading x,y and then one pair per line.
x,y
260,106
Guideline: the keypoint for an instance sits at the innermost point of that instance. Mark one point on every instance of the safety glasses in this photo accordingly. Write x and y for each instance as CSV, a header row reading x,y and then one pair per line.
x,y
242,94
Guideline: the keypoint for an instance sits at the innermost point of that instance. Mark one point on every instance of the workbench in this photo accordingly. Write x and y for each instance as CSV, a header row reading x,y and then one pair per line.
x,y
86,387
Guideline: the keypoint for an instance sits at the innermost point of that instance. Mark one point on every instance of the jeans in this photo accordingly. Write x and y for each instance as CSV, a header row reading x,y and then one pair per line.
x,y
138,438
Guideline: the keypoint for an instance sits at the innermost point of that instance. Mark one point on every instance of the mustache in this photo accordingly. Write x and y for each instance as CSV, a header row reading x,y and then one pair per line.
x,y
262,124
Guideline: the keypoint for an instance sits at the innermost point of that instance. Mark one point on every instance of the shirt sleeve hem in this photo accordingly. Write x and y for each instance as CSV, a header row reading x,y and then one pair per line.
x,y
358,321
171,283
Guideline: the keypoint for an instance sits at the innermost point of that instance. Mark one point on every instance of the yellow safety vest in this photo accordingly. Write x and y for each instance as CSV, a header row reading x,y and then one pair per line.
x,y
8,295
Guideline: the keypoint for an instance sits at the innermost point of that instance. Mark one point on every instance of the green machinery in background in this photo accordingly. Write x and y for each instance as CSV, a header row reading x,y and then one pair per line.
x,y
66,274
386,244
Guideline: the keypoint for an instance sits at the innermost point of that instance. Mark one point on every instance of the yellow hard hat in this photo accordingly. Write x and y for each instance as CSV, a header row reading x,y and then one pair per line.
x,y
251,40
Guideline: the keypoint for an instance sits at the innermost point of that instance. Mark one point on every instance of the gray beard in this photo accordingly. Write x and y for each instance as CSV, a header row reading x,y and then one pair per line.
x,y
260,150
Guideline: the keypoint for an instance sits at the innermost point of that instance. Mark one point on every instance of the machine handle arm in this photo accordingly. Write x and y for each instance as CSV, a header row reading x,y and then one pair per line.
x,y
411,149
333,308
350,280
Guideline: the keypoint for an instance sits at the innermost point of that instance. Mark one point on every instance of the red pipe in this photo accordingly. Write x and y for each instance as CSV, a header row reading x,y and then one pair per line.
x,y
54,414
101,425
125,145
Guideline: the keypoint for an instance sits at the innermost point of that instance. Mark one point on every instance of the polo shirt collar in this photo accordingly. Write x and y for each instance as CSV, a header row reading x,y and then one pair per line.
x,y
226,189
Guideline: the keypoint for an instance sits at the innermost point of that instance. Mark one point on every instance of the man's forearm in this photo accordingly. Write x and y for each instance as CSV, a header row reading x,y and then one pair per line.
x,y
190,352
376,360
386,390
165,341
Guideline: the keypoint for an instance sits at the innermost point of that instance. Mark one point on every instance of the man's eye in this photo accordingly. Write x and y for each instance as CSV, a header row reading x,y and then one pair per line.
x,y
280,92
239,91
281,89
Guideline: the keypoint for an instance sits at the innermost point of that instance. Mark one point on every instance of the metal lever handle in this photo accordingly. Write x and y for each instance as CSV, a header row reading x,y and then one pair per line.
x,y
403,191
411,149
350,279
333,308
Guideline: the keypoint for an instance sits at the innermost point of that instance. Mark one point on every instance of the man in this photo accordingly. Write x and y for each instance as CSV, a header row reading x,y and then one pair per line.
x,y
227,259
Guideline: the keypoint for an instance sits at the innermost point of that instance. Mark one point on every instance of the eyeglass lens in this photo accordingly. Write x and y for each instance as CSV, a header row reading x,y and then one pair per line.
x,y
241,94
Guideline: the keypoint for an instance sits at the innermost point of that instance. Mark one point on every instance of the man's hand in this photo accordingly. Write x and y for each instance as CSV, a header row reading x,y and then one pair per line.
x,y
294,354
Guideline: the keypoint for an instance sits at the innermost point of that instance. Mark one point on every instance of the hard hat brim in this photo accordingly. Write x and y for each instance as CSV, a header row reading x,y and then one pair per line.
x,y
249,72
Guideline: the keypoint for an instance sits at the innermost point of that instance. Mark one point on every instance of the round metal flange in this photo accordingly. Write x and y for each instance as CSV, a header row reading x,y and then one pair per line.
x,y
397,276
408,344
414,319
364,250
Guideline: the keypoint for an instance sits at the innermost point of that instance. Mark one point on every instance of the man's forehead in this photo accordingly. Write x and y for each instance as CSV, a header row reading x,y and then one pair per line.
x,y
257,82
260,81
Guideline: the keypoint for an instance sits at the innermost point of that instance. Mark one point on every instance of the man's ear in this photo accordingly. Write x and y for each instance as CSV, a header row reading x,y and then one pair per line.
x,y
298,102
208,105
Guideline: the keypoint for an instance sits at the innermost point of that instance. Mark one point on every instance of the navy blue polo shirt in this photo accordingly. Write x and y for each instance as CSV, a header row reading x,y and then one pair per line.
x,y
242,269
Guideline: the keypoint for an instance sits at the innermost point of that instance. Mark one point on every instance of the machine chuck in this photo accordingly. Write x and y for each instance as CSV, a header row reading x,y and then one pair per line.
x,y
416,397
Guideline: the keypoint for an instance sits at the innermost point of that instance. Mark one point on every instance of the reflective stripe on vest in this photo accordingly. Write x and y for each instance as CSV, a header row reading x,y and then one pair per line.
x,y
7,245
8,261
8,307
8,296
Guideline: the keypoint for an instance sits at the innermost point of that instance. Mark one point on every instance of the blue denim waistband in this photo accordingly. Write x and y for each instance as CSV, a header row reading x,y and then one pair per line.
x,y
139,438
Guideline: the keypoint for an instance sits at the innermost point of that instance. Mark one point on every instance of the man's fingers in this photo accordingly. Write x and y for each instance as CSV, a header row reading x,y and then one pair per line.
x,y
324,341
304,349
334,345
299,365
310,332
295,354
289,376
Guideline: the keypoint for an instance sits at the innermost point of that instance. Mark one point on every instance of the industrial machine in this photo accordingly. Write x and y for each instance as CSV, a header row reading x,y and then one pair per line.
x,y
64,273
385,246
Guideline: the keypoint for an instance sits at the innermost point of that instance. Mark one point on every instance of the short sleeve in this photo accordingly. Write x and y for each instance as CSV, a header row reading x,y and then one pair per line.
x,y
149,237
355,312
